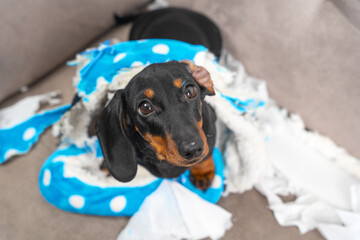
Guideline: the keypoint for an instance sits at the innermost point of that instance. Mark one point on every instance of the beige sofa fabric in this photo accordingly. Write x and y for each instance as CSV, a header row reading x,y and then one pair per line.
x,y
38,35
308,52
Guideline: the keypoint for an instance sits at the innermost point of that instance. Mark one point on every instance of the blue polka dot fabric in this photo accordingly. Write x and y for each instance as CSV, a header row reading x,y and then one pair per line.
x,y
74,195
18,139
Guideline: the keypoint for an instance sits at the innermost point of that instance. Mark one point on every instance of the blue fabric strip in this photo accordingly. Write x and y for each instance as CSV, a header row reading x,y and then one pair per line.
x,y
243,106
20,138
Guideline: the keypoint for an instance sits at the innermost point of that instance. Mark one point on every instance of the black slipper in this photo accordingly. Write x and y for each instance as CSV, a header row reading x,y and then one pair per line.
x,y
179,24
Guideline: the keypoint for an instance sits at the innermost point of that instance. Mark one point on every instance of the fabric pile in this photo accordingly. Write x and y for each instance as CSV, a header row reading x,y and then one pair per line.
x,y
259,144
322,177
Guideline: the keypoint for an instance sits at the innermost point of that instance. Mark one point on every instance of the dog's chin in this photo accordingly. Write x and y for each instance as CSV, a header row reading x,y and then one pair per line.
x,y
189,162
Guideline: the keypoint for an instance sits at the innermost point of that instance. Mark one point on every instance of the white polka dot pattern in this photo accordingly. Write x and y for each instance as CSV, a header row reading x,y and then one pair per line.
x,y
118,203
119,57
77,201
29,133
161,49
47,177
137,64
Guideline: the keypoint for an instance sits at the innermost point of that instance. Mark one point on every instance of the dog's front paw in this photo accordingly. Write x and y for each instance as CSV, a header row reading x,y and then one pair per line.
x,y
202,182
202,174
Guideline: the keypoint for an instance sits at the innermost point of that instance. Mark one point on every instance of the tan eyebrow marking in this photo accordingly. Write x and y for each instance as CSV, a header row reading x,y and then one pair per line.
x,y
149,93
177,82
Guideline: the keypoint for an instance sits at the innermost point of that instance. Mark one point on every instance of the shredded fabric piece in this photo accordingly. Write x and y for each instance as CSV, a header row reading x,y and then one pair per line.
x,y
324,178
21,126
26,108
187,216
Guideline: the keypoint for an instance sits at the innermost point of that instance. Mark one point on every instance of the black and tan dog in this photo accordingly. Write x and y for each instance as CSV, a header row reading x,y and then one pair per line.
x,y
161,121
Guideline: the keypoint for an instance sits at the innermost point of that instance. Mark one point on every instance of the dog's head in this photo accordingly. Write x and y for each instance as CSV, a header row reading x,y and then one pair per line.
x,y
163,104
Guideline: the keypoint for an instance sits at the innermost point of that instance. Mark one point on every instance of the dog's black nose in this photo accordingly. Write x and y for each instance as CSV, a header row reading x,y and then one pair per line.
x,y
190,150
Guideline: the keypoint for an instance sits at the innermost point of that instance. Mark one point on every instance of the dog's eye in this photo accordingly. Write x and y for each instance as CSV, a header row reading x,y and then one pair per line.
x,y
145,108
190,91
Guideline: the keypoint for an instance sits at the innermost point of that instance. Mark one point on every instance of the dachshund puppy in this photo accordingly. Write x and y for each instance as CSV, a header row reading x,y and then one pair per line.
x,y
161,121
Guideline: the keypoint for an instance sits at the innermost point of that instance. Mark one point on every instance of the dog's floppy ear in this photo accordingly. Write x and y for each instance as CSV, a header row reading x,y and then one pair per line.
x,y
201,76
118,151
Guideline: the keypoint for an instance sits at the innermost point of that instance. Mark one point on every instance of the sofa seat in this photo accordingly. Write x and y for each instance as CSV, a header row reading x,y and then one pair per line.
x,y
27,215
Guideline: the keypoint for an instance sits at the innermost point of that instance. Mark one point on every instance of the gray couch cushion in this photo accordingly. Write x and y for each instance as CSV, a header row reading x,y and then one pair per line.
x,y
38,35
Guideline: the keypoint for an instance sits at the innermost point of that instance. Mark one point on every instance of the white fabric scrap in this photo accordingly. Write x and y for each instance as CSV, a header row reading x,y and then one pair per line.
x,y
173,212
350,230
323,188
244,166
324,178
26,108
